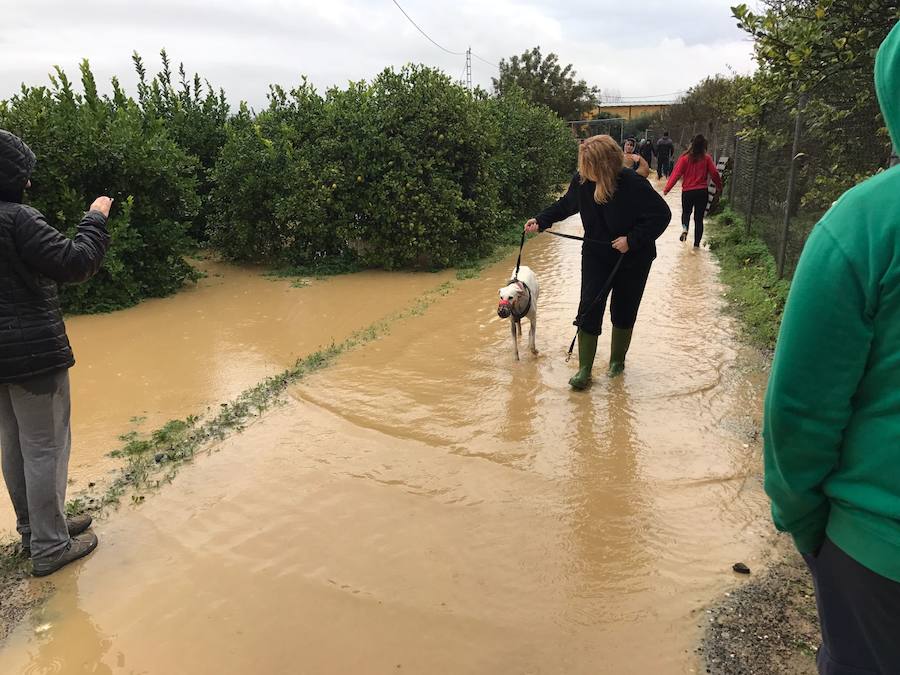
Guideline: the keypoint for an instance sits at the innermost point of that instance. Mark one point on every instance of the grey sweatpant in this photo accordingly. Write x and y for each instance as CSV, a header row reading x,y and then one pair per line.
x,y
35,439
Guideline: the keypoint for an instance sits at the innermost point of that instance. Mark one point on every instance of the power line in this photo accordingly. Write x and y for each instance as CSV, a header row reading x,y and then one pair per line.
x,y
485,61
424,33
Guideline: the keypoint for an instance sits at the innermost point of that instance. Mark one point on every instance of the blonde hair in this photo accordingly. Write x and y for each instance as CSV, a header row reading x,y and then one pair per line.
x,y
600,160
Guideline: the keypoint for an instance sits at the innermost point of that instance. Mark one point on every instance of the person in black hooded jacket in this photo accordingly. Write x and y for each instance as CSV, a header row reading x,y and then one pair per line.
x,y
35,357
623,216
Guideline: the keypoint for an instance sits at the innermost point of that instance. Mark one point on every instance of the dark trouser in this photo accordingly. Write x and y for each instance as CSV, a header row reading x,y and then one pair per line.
x,y
627,290
664,167
859,612
696,201
35,439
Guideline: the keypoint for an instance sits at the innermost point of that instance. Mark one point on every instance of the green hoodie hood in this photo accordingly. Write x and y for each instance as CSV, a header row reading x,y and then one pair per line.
x,y
887,82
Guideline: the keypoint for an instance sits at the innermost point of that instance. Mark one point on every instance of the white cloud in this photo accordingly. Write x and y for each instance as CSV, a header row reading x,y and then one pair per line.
x,y
655,48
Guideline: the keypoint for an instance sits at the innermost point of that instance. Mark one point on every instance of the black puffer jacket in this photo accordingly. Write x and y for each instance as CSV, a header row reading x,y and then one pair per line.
x,y
636,211
33,258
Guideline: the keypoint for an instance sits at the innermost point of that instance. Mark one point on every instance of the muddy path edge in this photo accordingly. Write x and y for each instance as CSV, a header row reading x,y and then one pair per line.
x,y
766,623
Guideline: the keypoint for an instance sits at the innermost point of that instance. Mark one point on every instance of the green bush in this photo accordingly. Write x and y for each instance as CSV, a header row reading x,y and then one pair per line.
x,y
411,170
412,167
535,153
194,114
271,196
755,293
88,145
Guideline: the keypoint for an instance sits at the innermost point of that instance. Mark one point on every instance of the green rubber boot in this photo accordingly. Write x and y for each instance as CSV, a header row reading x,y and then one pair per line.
x,y
587,349
621,340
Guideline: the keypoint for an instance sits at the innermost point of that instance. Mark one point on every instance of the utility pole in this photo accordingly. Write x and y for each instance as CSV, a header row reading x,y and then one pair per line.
x,y
796,155
469,69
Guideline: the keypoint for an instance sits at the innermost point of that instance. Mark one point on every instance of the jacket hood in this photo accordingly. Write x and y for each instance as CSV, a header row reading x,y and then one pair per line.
x,y
887,82
16,163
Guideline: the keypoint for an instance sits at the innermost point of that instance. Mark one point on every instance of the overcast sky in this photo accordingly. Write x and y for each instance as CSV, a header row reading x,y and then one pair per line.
x,y
634,47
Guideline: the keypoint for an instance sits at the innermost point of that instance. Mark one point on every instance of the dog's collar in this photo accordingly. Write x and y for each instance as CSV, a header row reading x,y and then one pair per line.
x,y
519,315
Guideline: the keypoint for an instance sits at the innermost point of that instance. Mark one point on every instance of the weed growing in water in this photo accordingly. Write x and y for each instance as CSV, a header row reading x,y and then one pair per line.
x,y
154,460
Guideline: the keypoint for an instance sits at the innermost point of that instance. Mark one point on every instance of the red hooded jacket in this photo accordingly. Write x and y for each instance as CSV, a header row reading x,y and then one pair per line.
x,y
696,174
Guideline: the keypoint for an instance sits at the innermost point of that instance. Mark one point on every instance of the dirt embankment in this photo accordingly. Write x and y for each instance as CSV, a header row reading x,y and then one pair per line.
x,y
18,592
769,624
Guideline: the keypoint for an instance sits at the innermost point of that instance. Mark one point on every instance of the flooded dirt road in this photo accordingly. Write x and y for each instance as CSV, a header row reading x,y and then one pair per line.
x,y
169,358
428,505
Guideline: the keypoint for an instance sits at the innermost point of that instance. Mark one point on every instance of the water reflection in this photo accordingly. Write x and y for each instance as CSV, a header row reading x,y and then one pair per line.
x,y
65,639
608,502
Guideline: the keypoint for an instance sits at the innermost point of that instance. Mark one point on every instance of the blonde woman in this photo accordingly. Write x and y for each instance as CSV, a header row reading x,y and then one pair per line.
x,y
622,215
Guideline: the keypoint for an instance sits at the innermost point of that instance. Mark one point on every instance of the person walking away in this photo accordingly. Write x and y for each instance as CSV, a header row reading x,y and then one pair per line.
x,y
832,412
35,357
633,160
696,168
622,217
665,150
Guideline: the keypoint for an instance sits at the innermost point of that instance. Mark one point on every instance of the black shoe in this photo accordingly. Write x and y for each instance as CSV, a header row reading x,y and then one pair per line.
x,y
79,546
76,525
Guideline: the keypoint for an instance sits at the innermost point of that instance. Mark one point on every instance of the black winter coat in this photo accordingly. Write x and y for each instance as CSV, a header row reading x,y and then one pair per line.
x,y
33,257
646,151
636,211
665,148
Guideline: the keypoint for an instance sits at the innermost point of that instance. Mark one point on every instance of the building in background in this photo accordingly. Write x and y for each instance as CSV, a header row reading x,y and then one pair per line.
x,y
631,109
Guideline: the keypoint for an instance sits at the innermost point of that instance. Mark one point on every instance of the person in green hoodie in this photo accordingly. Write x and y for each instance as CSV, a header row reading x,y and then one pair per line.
x,y
832,412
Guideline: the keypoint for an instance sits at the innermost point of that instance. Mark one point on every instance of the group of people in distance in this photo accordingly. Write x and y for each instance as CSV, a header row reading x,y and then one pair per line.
x,y
623,216
642,154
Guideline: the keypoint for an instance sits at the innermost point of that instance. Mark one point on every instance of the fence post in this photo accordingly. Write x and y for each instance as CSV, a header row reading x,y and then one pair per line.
x,y
734,172
792,181
751,201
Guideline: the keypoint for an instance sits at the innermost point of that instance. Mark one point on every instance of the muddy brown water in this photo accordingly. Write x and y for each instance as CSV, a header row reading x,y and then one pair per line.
x,y
165,359
428,505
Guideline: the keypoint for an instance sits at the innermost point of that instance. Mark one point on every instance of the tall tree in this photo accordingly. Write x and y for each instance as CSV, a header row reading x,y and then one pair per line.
x,y
824,50
544,81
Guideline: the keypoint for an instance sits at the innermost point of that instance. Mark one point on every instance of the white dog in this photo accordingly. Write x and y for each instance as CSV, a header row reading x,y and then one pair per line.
x,y
518,299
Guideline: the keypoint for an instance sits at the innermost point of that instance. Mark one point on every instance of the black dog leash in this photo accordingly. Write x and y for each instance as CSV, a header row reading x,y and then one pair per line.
x,y
555,234
572,236
600,296
519,261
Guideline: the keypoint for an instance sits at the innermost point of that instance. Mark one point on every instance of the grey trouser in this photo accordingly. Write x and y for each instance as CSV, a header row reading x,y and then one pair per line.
x,y
35,439
859,612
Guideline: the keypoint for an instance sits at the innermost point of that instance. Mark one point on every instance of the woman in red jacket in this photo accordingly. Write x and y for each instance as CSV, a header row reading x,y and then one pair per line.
x,y
696,167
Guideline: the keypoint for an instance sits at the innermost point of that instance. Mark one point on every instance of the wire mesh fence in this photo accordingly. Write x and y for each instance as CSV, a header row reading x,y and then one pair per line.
x,y
784,173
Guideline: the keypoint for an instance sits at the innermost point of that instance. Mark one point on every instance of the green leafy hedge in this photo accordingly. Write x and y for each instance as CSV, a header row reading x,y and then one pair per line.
x,y
411,170
88,145
408,171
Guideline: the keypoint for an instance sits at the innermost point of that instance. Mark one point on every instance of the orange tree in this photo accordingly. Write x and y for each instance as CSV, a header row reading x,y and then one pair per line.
x,y
88,145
